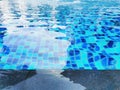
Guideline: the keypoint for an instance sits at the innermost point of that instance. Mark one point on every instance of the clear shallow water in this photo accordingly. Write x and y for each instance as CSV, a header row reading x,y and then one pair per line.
x,y
59,34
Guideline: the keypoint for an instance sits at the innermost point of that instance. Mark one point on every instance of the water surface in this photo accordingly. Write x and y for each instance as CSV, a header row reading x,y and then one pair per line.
x,y
59,34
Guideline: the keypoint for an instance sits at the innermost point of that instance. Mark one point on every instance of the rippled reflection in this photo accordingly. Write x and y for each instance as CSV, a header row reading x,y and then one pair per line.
x,y
64,34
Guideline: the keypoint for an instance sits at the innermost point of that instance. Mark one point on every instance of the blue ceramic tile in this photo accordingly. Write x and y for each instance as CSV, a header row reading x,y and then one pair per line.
x,y
65,35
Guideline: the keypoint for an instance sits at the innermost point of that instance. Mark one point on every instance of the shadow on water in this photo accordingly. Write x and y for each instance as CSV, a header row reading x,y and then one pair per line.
x,y
13,77
94,80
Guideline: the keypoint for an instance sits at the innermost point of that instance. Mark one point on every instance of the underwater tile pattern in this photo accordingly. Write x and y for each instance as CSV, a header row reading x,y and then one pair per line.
x,y
60,34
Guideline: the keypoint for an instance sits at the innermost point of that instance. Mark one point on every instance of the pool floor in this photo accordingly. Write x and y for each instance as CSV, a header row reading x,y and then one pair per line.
x,y
60,34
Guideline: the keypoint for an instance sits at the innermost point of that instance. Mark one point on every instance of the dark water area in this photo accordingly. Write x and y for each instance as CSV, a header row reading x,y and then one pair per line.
x,y
59,80
94,80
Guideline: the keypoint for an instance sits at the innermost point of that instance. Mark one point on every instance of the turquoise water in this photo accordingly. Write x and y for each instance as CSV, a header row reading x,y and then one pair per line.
x,y
59,34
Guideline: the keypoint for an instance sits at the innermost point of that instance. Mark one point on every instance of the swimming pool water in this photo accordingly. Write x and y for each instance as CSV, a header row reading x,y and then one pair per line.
x,y
59,34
